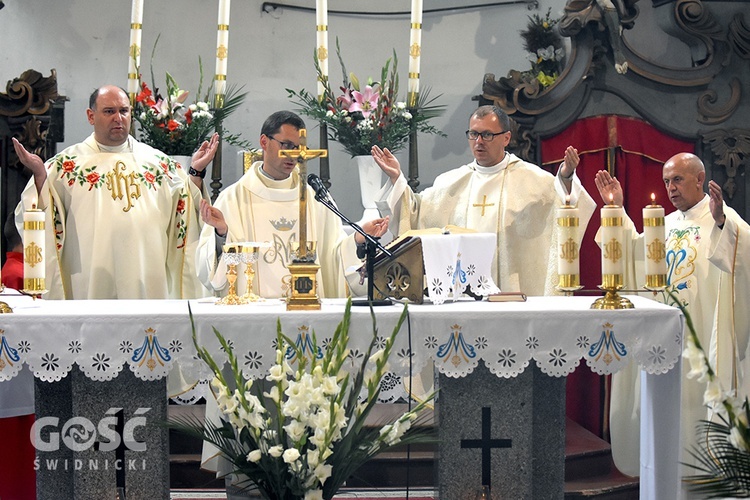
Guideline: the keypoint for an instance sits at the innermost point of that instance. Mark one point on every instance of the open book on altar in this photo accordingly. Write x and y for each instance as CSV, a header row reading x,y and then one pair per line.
x,y
440,262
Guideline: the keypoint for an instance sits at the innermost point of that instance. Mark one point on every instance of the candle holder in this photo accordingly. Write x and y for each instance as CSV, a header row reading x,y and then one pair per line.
x,y
655,282
569,283
611,284
249,256
232,257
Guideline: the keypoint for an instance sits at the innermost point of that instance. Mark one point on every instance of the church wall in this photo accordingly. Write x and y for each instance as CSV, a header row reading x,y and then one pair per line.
x,y
86,42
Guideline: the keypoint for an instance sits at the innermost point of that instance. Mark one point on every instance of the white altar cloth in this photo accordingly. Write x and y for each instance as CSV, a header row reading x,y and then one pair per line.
x,y
150,337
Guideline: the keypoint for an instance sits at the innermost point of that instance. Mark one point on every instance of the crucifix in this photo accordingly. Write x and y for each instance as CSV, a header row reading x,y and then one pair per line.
x,y
484,204
486,443
304,270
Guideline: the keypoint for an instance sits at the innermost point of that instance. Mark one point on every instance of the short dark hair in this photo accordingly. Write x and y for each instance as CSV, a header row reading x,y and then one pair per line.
x,y
95,94
274,122
487,109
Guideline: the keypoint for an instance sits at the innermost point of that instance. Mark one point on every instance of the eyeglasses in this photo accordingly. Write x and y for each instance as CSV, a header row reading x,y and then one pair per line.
x,y
285,144
473,135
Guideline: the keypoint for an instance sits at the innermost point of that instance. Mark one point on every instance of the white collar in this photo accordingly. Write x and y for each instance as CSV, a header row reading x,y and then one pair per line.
x,y
494,168
125,147
696,210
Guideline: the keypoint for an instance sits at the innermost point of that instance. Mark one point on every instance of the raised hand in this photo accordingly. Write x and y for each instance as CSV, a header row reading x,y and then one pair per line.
x,y
387,162
609,188
375,228
213,217
205,153
570,163
32,162
716,202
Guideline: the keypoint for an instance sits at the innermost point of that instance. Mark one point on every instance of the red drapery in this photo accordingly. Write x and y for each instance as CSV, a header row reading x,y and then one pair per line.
x,y
634,152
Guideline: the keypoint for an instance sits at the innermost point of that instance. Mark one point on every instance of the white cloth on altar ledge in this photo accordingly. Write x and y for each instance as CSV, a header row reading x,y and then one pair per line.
x,y
454,261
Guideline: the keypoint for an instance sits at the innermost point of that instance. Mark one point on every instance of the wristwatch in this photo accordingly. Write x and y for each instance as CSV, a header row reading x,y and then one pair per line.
x,y
195,173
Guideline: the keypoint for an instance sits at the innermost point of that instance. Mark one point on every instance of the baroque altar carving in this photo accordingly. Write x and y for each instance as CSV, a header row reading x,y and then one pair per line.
x,y
705,102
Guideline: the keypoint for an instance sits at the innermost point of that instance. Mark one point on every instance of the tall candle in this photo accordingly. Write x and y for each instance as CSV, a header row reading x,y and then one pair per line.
x,y
33,251
415,51
568,251
222,52
321,21
613,263
654,238
134,52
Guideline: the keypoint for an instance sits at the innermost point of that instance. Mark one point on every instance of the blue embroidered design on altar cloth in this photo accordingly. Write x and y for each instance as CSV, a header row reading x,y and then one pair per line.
x,y
151,352
607,347
304,343
7,353
456,349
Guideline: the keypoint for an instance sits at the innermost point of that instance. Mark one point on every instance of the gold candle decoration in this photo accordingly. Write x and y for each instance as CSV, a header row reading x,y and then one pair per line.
x,y
568,248
415,52
33,251
222,53
613,263
321,30
654,238
134,52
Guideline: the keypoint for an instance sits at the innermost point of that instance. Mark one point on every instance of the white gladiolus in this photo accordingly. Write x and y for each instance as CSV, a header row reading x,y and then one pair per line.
x,y
273,394
276,373
407,115
291,455
323,472
254,456
713,396
295,430
696,359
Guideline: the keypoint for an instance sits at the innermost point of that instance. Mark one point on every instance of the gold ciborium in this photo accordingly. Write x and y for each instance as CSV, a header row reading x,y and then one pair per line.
x,y
232,257
249,256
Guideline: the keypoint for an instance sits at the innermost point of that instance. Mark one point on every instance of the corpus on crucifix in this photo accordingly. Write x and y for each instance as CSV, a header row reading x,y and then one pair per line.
x,y
304,270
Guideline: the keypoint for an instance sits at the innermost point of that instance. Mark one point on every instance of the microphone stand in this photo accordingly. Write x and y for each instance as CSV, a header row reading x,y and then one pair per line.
x,y
372,245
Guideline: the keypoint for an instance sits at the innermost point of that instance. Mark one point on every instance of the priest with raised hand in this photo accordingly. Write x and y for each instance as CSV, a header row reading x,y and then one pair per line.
x,y
122,217
263,206
496,193
708,259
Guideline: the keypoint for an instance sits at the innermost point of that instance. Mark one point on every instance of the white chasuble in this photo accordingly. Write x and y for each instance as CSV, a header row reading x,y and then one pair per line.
x,y
259,209
515,200
118,223
709,294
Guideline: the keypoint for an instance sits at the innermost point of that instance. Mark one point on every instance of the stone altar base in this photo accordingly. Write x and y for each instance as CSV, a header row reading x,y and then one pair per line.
x,y
77,468
529,410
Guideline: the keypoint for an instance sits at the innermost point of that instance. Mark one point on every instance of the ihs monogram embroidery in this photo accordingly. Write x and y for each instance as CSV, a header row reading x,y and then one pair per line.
x,y
123,185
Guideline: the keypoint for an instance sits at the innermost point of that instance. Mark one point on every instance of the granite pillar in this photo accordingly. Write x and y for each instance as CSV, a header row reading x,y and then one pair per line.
x,y
76,437
529,410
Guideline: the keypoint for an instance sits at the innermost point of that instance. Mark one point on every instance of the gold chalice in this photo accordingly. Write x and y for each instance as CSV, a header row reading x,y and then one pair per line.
x,y
249,256
231,257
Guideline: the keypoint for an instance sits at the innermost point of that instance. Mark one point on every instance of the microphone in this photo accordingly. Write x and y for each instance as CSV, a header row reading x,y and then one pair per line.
x,y
321,192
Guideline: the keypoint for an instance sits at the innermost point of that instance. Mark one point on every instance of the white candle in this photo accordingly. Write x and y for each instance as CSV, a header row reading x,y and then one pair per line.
x,y
134,52
222,48
568,251
613,264
321,20
654,238
33,251
415,50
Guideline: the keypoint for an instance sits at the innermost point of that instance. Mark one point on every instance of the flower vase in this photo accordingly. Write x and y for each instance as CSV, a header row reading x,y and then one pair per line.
x,y
370,182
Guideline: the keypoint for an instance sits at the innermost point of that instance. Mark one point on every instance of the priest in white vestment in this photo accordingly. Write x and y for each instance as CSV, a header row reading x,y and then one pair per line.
x,y
121,217
496,193
263,206
708,271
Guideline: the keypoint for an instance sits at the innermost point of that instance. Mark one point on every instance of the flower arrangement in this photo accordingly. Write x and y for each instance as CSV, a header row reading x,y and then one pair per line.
x,y
168,123
302,433
360,117
545,47
723,464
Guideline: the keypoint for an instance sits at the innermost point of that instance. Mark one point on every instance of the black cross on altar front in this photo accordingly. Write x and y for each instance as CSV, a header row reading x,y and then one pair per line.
x,y
486,444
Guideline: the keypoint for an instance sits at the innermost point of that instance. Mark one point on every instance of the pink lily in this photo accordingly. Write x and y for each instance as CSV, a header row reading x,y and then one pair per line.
x,y
366,102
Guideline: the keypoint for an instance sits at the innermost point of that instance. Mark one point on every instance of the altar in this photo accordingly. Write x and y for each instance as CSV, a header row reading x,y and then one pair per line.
x,y
531,344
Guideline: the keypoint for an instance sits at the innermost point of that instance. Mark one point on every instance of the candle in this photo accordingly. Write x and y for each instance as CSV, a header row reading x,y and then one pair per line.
x,y
654,246
321,20
134,53
568,266
415,51
33,251
222,52
613,264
